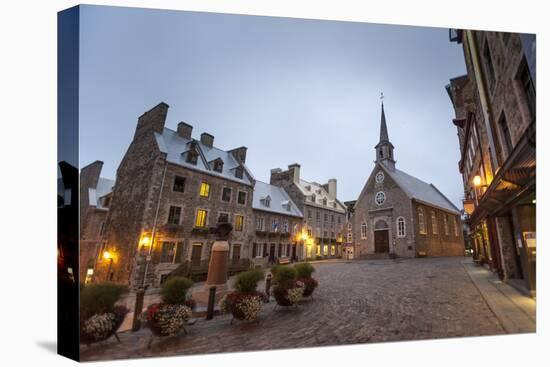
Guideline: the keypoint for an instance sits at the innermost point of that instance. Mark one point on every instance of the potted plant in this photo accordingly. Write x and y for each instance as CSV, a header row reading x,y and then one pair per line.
x,y
100,317
170,316
245,303
287,290
303,275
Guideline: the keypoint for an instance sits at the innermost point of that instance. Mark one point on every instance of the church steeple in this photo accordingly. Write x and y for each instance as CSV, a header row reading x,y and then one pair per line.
x,y
384,148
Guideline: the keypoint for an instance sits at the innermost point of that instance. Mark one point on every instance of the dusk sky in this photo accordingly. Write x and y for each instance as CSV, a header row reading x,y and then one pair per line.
x,y
291,90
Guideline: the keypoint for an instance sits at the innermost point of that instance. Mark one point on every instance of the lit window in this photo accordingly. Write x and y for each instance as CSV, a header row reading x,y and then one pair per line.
x,y
200,221
239,223
205,190
363,230
380,198
325,250
350,237
434,223
332,250
401,227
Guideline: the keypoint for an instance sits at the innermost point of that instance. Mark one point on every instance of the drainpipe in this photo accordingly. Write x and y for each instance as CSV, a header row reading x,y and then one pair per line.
x,y
154,227
483,95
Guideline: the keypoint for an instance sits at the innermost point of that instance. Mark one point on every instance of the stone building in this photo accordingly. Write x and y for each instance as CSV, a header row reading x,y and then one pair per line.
x,y
170,190
324,215
398,214
278,225
495,116
95,196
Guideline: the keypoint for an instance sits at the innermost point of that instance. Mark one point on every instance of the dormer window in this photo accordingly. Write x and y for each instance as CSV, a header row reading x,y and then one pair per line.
x,y
239,171
286,205
324,201
218,165
192,157
308,188
313,198
266,201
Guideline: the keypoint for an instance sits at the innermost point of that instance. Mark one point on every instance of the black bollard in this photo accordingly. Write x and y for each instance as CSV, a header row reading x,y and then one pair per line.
x,y
137,309
211,300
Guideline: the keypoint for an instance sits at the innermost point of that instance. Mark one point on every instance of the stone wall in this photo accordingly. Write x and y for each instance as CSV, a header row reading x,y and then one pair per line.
x,y
397,204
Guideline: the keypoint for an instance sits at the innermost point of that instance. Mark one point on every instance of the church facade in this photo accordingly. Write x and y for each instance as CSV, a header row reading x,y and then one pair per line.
x,y
397,214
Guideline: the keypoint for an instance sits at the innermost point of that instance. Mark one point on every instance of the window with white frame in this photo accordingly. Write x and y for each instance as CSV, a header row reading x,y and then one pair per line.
x,y
363,230
274,225
259,223
285,226
401,230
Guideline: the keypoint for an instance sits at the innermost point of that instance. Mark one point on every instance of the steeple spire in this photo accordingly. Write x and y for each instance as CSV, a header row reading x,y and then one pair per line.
x,y
383,126
384,148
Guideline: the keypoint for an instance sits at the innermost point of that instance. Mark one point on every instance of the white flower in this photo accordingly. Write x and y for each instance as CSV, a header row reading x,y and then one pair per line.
x,y
99,326
294,295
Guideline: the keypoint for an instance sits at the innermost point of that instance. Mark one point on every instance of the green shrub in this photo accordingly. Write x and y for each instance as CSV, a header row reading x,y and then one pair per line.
x,y
99,298
304,270
274,269
285,276
174,290
248,281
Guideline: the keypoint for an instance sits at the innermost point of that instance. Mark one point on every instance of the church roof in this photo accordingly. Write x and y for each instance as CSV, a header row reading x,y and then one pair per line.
x,y
421,191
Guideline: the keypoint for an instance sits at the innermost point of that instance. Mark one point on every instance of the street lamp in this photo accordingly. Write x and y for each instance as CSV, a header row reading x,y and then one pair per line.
x,y
108,256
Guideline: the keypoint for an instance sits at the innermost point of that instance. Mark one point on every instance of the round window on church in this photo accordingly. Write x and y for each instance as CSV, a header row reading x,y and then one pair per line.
x,y
380,198
380,177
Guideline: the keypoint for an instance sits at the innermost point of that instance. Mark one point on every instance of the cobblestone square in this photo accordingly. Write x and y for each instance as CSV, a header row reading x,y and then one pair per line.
x,y
357,302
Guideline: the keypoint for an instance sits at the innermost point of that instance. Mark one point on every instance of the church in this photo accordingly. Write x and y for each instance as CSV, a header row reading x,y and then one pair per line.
x,y
398,215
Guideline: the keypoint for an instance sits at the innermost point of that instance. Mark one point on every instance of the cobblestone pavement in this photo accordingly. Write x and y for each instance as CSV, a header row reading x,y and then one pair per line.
x,y
357,302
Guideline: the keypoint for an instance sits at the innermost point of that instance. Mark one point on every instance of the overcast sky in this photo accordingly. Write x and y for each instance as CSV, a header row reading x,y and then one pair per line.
x,y
291,90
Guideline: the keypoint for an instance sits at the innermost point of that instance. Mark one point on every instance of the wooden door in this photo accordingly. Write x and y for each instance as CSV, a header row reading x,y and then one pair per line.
x,y
236,254
196,254
381,241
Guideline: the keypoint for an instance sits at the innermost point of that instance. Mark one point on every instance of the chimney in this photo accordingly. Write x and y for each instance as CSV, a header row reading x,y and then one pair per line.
x,y
239,153
332,188
207,140
274,173
185,130
152,120
294,172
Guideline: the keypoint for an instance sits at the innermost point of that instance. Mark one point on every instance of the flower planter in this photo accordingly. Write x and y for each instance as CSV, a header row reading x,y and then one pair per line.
x,y
309,286
166,320
288,296
243,306
101,327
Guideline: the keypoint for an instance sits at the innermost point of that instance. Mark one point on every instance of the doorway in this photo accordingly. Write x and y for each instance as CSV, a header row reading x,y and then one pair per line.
x,y
381,241
272,253
196,254
236,257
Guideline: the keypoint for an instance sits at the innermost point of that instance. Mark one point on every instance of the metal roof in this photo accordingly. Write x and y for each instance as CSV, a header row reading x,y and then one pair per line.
x,y
174,146
279,202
